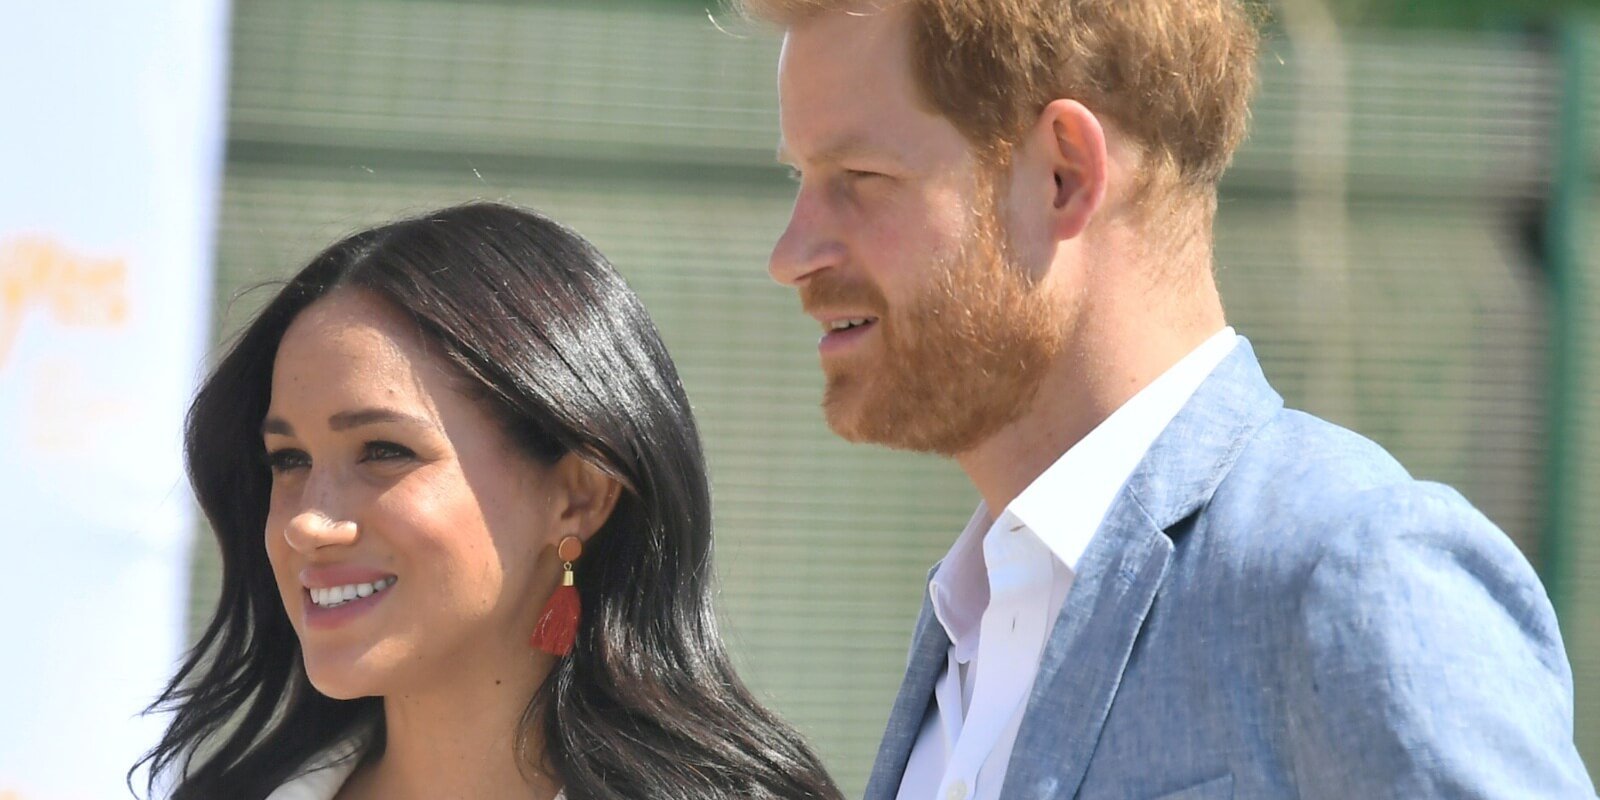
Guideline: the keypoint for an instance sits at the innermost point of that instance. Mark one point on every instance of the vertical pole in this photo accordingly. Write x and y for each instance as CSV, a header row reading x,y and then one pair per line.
x,y
1564,258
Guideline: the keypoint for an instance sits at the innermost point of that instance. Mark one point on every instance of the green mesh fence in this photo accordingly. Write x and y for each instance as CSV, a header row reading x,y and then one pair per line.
x,y
1417,314
1579,475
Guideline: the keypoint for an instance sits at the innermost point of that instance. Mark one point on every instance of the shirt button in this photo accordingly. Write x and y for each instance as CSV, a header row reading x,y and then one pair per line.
x,y
957,791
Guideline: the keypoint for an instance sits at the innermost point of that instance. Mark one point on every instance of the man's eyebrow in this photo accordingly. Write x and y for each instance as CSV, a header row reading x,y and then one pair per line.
x,y
345,420
845,147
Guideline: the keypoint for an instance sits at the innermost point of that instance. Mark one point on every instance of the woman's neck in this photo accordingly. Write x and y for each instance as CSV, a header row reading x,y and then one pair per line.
x,y
458,738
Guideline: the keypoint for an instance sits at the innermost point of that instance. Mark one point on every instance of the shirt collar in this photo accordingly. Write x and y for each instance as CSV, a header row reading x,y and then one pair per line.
x,y
1065,505
960,587
323,776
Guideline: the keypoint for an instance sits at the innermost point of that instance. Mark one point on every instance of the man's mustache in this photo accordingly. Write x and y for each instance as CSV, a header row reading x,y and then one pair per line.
x,y
826,291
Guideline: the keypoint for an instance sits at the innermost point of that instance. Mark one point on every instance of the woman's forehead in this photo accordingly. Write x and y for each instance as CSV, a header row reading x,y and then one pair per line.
x,y
351,347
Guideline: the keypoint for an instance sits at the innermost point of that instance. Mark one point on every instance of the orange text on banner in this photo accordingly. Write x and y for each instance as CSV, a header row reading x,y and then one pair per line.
x,y
39,273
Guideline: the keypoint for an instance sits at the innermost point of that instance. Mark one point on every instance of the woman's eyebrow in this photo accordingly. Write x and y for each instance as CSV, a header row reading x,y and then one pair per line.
x,y
345,420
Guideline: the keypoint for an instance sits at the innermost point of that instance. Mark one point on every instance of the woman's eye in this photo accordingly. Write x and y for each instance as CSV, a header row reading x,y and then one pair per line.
x,y
385,451
287,460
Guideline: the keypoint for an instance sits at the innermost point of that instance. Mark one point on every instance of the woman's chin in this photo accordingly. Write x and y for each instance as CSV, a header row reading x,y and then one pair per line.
x,y
341,679
338,691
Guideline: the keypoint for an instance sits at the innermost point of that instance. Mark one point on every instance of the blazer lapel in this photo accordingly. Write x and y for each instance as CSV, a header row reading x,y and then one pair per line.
x,y
1083,661
1122,571
929,652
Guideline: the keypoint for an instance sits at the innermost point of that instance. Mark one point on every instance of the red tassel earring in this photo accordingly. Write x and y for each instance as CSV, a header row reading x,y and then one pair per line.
x,y
558,625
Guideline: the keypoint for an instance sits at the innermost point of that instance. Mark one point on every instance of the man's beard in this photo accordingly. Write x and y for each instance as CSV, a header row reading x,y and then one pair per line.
x,y
955,364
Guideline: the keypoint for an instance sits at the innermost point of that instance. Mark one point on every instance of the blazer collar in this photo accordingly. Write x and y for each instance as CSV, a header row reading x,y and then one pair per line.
x,y
1117,580
929,648
1190,458
1121,572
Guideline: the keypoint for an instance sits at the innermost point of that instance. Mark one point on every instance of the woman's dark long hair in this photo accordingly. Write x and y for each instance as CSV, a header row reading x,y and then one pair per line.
x,y
647,704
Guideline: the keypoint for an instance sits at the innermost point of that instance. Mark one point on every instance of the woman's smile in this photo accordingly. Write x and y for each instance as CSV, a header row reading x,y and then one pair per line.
x,y
330,607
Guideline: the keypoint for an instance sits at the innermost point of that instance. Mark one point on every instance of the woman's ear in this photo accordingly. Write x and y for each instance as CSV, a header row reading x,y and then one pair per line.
x,y
585,497
1071,146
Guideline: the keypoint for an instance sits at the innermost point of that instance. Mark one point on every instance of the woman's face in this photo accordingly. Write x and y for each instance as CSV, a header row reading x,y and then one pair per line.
x,y
409,540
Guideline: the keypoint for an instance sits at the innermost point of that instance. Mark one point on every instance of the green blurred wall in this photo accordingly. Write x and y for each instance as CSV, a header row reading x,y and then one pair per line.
x,y
651,131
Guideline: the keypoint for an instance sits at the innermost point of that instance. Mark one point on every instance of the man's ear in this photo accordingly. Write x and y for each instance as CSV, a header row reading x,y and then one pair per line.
x,y
1070,142
585,497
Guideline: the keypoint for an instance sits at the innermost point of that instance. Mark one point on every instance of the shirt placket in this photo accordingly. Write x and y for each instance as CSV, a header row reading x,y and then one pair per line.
x,y
1010,640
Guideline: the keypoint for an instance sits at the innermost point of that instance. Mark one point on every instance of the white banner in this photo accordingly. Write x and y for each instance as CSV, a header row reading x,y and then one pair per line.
x,y
111,130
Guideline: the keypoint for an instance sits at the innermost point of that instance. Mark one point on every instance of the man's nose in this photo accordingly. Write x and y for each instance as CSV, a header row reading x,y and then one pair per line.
x,y
808,245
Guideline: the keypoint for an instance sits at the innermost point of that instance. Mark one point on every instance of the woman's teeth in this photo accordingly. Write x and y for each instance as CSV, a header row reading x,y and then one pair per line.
x,y
339,595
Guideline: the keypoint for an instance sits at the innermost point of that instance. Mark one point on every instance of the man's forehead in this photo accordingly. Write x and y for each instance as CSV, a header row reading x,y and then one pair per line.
x,y
845,43
795,14
861,25
838,89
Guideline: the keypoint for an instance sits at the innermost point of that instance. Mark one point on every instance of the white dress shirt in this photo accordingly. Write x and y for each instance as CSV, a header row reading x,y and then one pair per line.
x,y
327,773
998,591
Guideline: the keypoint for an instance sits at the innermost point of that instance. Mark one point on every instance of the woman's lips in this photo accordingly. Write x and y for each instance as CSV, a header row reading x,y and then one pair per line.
x,y
335,594
342,611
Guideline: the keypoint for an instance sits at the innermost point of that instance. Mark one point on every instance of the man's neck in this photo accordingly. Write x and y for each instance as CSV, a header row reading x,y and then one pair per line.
x,y
1121,347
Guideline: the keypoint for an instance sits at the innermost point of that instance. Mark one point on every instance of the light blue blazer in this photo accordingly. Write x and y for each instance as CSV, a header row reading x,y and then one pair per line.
x,y
1274,608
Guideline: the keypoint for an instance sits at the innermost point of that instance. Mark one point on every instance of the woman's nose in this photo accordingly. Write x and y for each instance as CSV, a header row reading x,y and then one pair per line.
x,y
313,529
321,520
322,517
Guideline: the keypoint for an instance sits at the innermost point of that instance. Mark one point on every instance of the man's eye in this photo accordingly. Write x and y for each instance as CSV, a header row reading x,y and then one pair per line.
x,y
287,459
385,451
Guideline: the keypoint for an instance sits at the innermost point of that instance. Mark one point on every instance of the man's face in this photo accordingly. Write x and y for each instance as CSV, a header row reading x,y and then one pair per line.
x,y
932,340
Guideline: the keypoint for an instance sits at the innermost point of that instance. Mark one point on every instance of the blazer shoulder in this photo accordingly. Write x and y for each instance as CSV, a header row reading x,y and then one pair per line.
x,y
1408,647
1307,495
1420,644
1305,482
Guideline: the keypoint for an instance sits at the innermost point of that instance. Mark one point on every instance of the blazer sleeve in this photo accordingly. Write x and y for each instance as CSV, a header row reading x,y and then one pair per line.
x,y
1425,661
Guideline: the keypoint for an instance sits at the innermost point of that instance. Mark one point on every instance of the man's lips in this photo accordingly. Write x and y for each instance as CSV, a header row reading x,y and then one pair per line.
x,y
838,323
841,335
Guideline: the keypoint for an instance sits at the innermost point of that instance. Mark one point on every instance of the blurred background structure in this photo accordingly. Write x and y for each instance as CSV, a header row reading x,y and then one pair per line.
x,y
111,140
1408,239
